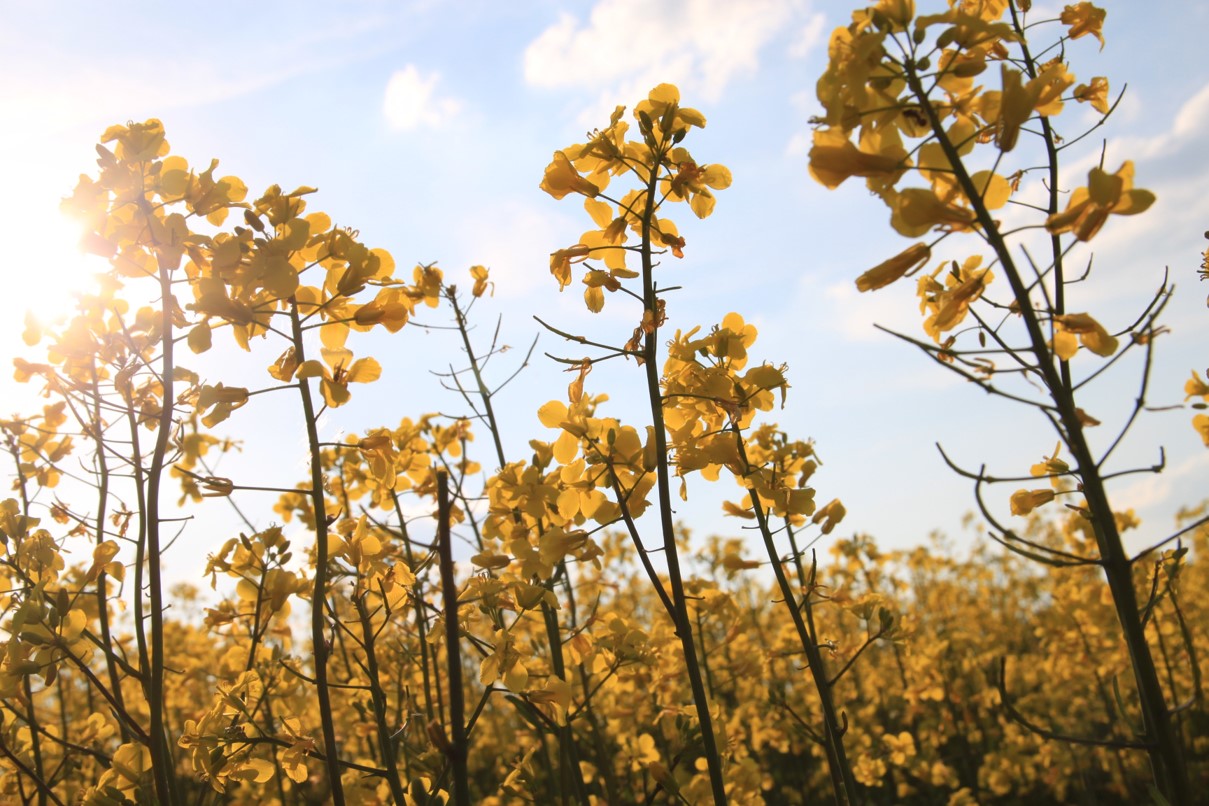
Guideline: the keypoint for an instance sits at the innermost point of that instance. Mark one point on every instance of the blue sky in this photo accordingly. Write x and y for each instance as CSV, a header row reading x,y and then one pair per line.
x,y
427,126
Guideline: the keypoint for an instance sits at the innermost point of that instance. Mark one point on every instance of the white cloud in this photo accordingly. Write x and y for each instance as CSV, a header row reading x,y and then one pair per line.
x,y
93,86
1193,115
628,46
514,239
853,314
1188,128
410,100
1153,491
810,35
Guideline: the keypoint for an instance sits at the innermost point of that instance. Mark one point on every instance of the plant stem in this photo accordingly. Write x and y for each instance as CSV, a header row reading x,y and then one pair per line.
x,y
319,644
842,784
378,700
679,614
1163,744
568,751
457,705
163,766
115,682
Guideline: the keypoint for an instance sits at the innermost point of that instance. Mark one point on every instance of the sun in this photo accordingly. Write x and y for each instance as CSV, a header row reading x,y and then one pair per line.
x,y
43,271
44,264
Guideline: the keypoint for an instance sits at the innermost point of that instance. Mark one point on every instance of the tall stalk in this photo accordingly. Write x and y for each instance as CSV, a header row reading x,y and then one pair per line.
x,y
457,751
568,750
31,712
378,701
842,783
319,643
679,613
1163,744
102,593
163,766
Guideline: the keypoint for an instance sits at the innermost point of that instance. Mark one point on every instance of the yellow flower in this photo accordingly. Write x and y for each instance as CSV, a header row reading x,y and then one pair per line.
x,y
901,265
561,178
641,750
830,515
1084,19
1195,387
481,283
1051,466
1095,93
1025,501
1091,333
950,303
693,181
732,562
834,158
1201,423
901,747
1090,206
918,210
561,260
1019,101
899,12
868,770
662,106
138,142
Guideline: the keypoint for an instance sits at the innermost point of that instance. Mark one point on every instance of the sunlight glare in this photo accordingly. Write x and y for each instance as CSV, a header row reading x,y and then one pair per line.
x,y
46,266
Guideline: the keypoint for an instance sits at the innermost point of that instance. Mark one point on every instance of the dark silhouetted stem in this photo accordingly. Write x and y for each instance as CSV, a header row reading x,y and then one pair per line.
x,y
457,703
319,590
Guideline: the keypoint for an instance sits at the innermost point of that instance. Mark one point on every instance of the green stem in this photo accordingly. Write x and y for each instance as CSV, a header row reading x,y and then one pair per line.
x,y
484,392
319,644
378,700
843,785
568,751
1163,745
457,705
35,741
140,546
115,682
679,614
163,766
31,715
417,598
1055,191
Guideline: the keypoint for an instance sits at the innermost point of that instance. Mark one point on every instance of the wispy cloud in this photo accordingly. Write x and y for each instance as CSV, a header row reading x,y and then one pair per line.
x,y
411,100
85,84
808,37
625,47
